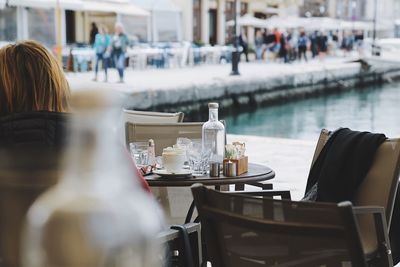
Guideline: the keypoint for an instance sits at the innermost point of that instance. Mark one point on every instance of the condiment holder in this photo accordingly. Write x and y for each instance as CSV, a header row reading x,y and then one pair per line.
x,y
235,162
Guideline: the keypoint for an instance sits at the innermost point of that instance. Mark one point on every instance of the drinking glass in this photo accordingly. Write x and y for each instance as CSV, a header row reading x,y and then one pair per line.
x,y
198,158
185,143
139,152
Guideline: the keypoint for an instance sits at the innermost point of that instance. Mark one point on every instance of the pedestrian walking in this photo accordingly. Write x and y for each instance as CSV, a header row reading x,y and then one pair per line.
x,y
244,44
302,45
314,45
259,41
277,47
347,43
322,43
119,45
292,41
93,32
283,51
359,41
102,47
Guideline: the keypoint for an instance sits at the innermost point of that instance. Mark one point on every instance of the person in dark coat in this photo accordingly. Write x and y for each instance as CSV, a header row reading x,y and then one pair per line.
x,y
34,96
245,46
94,30
283,49
34,99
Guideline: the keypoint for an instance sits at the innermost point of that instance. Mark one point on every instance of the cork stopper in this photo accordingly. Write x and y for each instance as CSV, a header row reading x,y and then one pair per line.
x,y
213,105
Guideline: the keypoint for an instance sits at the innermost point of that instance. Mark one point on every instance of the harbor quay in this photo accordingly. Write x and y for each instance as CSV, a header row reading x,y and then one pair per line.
x,y
188,89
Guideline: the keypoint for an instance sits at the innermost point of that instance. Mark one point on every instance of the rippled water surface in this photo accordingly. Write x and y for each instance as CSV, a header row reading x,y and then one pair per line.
x,y
375,109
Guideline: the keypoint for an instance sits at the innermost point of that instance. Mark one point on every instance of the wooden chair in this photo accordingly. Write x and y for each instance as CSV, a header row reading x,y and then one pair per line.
x,y
182,249
163,134
135,116
249,231
25,173
378,188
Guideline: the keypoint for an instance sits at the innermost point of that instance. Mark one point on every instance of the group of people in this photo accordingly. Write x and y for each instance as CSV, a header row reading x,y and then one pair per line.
x,y
294,44
109,49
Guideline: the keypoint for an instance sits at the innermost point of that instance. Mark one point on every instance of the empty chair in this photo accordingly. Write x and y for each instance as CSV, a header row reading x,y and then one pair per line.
x,y
249,231
135,116
163,134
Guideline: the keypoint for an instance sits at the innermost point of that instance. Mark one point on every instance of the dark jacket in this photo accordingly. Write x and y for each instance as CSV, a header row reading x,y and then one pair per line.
x,y
40,128
342,164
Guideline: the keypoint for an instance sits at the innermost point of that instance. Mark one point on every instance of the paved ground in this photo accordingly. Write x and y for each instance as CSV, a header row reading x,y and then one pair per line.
x,y
172,79
290,159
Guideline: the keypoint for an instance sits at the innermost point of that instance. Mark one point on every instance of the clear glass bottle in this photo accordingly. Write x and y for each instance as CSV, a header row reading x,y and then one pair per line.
x,y
97,215
213,135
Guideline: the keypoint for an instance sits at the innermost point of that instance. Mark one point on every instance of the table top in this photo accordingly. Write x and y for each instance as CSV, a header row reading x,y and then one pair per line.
x,y
256,173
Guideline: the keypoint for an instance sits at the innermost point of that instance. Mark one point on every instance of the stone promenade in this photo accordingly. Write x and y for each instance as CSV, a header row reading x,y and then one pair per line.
x,y
156,87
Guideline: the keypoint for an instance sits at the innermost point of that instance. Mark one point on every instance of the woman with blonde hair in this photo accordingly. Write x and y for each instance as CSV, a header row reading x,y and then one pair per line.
x,y
34,95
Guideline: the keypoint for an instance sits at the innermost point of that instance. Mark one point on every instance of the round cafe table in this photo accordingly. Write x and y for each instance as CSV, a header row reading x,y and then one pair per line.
x,y
256,173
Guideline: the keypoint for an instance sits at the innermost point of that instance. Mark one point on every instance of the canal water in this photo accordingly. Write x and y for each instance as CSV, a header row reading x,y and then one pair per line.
x,y
375,109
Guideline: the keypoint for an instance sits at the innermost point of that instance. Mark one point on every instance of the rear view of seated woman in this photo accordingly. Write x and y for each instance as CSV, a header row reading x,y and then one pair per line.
x,y
34,95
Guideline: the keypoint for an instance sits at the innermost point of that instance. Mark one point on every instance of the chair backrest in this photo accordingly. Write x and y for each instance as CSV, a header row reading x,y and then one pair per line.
x,y
25,173
378,188
163,134
250,231
380,185
135,116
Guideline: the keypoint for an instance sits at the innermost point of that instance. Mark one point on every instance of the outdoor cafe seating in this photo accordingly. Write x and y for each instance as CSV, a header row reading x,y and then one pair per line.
x,y
372,209
254,228
146,56
373,202
251,231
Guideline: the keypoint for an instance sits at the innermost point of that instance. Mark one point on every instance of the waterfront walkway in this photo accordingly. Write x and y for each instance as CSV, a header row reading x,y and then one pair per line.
x,y
156,87
172,79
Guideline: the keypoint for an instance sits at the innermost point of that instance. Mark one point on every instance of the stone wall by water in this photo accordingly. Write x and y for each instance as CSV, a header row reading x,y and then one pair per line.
x,y
250,92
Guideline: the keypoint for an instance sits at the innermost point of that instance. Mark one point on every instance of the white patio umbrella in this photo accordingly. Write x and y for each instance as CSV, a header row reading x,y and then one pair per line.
x,y
285,22
322,23
249,20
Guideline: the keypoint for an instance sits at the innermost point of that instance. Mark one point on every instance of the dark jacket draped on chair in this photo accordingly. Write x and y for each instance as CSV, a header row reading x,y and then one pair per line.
x,y
342,165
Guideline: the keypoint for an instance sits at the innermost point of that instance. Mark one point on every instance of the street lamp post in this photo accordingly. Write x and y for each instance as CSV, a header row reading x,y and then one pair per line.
x,y
374,52
58,45
236,52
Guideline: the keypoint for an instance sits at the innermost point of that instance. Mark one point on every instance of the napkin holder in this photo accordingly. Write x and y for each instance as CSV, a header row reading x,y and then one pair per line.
x,y
242,164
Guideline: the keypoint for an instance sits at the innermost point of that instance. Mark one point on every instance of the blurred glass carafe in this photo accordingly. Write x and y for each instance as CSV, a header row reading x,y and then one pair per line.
x,y
213,134
97,215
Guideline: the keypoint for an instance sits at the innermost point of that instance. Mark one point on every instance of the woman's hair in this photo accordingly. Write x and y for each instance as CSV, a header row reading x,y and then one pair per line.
x,y
31,79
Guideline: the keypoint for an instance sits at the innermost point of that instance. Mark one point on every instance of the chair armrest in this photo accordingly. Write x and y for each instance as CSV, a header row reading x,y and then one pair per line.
x,y
369,210
381,229
186,239
283,194
263,186
172,234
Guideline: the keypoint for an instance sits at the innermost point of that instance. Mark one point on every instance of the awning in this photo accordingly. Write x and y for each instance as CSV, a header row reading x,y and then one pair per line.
x,y
64,4
117,7
159,5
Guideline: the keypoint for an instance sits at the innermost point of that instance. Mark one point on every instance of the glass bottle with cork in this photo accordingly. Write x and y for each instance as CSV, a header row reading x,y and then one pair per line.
x,y
213,135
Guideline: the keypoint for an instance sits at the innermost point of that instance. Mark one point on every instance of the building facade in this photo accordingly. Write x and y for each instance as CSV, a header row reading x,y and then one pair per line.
x,y
65,21
205,21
